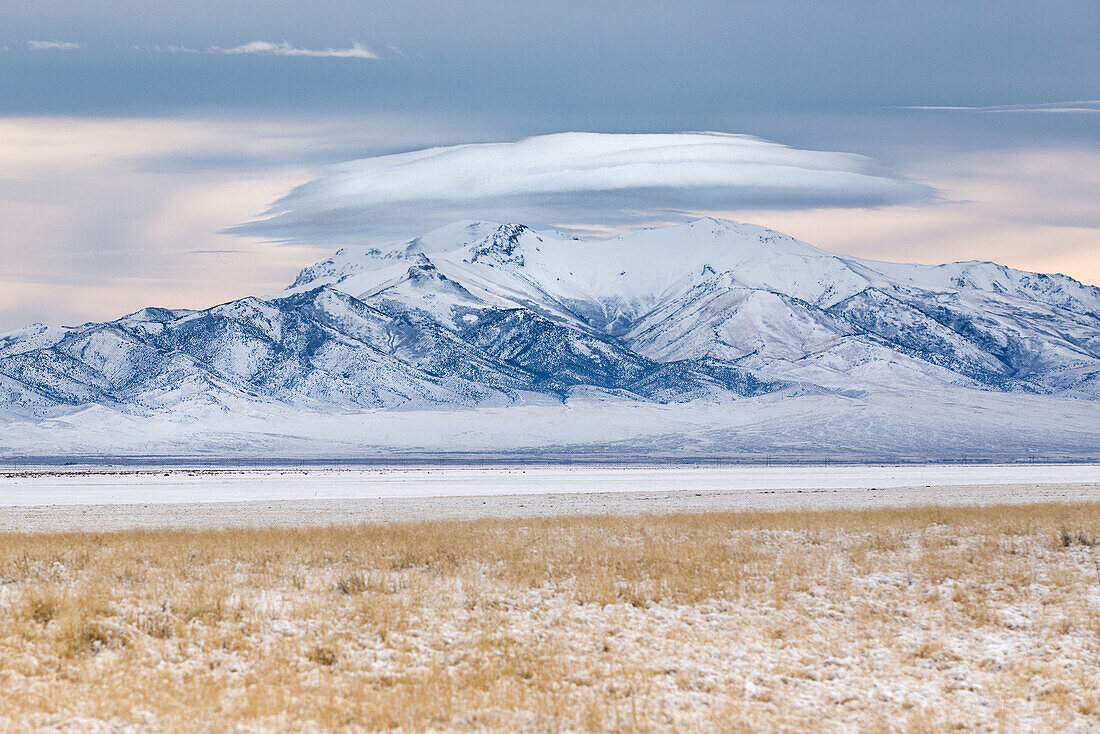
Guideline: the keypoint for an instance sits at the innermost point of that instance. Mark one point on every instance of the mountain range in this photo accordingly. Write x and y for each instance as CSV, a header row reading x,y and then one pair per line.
x,y
694,332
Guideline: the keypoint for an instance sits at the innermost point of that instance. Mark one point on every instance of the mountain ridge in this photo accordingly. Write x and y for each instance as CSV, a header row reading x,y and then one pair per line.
x,y
950,301
479,316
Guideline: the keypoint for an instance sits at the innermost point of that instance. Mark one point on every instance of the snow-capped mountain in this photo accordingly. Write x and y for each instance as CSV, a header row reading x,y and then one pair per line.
x,y
500,316
748,297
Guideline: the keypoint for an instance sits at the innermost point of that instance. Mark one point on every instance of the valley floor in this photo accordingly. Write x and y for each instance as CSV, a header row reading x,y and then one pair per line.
x,y
917,618
101,499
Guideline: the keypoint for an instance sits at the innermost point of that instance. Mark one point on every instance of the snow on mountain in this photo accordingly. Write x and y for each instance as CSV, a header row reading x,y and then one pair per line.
x,y
917,425
497,316
746,295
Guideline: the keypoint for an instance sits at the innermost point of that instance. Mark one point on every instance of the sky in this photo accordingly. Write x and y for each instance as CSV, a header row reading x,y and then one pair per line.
x,y
185,154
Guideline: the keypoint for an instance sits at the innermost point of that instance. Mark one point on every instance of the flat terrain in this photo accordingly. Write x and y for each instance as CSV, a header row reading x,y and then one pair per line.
x,y
914,619
100,500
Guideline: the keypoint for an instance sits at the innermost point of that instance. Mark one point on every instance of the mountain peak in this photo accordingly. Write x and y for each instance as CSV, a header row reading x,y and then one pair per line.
x,y
498,314
502,245
449,237
714,222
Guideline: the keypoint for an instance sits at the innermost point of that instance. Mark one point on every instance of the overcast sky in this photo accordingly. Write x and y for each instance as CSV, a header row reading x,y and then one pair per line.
x,y
141,142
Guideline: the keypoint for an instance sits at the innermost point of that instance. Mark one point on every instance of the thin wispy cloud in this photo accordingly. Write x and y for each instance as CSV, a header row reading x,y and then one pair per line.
x,y
52,45
267,48
574,181
1075,106
355,51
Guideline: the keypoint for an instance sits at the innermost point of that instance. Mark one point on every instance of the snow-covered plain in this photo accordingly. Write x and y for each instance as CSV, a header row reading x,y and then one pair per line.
x,y
192,485
101,501
921,425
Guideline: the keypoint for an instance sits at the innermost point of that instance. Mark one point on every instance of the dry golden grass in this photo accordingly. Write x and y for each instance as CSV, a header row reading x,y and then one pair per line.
x,y
918,619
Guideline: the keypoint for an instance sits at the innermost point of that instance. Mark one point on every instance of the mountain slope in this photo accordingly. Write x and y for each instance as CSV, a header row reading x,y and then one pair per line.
x,y
488,316
746,295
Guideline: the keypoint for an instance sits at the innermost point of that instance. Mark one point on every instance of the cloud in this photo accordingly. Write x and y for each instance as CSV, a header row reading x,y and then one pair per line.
x,y
355,51
1029,208
99,216
52,46
573,181
267,48
1075,106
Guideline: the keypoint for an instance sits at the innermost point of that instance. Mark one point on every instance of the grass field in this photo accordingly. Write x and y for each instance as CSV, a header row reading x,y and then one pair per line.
x,y
919,619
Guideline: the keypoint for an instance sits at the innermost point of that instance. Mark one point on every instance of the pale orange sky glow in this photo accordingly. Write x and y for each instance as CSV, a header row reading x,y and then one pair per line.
x,y
1033,210
96,220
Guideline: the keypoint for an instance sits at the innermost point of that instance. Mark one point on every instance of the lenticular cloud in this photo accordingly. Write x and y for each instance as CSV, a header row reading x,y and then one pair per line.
x,y
574,181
